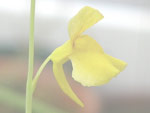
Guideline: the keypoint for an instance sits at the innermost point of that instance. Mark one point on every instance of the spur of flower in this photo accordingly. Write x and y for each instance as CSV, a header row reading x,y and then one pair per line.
x,y
91,65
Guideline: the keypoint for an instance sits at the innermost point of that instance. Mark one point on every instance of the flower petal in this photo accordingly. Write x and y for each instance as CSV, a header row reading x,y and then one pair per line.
x,y
61,53
64,85
91,66
59,57
92,69
119,64
85,18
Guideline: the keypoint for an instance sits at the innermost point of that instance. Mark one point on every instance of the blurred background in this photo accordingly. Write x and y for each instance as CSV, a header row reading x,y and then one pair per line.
x,y
123,33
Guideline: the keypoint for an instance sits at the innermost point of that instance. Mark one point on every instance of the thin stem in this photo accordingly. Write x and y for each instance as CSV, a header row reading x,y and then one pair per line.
x,y
39,72
31,60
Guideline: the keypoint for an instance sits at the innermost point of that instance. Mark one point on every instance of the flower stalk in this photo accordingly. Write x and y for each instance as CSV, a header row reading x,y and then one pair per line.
x,y
36,78
30,61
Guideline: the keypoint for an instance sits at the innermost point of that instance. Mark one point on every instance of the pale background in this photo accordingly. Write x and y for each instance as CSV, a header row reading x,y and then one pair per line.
x,y
123,33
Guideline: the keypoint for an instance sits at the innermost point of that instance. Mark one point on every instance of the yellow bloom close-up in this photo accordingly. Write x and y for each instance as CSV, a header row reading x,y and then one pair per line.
x,y
91,66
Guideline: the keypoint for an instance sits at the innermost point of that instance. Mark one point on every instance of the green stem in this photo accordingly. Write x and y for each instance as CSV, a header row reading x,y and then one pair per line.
x,y
31,60
39,72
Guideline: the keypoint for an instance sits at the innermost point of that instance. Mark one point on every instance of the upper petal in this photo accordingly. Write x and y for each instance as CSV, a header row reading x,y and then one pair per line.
x,y
91,66
85,18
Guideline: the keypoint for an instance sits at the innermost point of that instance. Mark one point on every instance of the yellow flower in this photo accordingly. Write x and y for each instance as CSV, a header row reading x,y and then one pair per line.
x,y
91,66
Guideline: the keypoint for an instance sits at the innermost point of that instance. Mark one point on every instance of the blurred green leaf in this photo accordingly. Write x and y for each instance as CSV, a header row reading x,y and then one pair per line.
x,y
14,99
